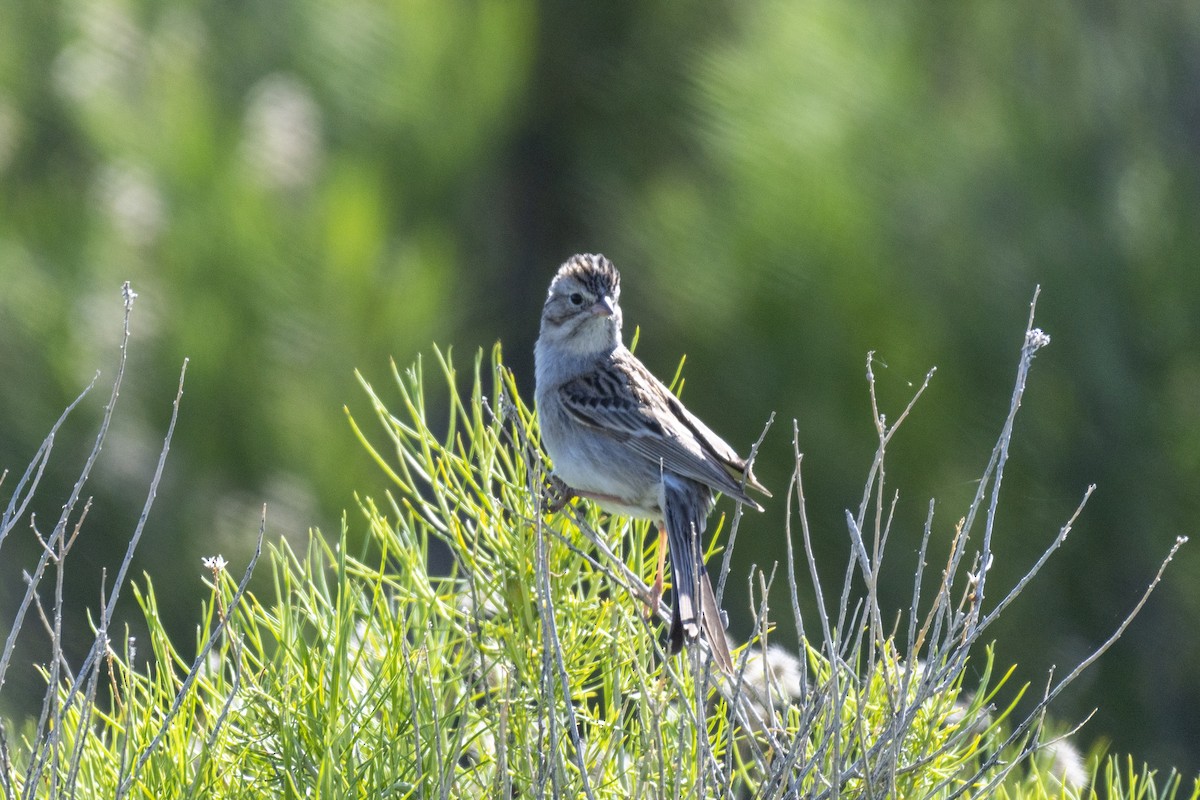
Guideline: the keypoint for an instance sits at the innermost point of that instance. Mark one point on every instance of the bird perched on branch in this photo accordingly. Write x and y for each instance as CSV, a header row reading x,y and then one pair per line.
x,y
619,438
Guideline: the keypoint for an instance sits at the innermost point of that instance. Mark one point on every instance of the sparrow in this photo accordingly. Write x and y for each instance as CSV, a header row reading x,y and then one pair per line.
x,y
618,437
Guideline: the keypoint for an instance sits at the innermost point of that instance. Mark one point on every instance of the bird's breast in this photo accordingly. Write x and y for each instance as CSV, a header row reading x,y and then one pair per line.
x,y
599,467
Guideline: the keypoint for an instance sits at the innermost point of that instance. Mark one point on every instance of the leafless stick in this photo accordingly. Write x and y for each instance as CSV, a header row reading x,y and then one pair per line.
x,y
739,513
552,661
37,466
77,490
1029,575
795,486
6,764
1063,683
115,592
1034,340
918,574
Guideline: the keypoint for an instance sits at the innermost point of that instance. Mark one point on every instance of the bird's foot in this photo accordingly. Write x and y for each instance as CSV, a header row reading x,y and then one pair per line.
x,y
556,495
653,598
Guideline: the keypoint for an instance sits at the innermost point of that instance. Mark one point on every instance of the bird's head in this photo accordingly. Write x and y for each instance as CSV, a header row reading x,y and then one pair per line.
x,y
582,312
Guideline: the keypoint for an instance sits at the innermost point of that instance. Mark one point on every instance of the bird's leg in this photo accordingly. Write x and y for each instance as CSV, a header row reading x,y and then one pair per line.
x,y
557,495
656,591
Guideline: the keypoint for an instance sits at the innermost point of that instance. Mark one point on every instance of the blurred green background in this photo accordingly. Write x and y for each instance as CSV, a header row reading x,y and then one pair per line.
x,y
297,189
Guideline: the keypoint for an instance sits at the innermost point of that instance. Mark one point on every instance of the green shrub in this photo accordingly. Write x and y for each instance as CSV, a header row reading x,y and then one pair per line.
x,y
529,666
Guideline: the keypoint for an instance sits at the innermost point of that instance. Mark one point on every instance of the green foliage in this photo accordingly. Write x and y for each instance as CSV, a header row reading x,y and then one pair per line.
x,y
527,667
305,186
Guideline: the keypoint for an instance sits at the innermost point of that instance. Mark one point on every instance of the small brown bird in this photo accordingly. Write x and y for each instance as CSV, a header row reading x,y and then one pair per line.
x,y
619,438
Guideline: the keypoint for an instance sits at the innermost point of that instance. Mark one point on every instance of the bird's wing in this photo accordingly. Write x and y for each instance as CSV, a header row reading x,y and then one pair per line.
x,y
622,399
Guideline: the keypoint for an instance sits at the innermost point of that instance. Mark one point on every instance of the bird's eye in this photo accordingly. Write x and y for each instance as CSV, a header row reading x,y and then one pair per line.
x,y
576,299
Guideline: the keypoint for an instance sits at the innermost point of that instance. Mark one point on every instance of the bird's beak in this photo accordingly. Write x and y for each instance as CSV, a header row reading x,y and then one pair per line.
x,y
603,307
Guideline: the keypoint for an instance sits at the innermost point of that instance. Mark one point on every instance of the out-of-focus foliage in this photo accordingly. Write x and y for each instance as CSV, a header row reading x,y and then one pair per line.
x,y
299,189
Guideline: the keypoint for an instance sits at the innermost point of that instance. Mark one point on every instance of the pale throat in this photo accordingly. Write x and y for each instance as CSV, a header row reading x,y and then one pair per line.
x,y
593,336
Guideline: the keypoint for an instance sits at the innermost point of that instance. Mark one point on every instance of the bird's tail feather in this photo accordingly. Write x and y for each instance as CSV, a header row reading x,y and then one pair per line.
x,y
713,621
695,608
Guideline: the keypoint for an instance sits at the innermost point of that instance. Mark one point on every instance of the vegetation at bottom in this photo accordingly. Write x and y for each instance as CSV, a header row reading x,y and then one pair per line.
x,y
531,666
